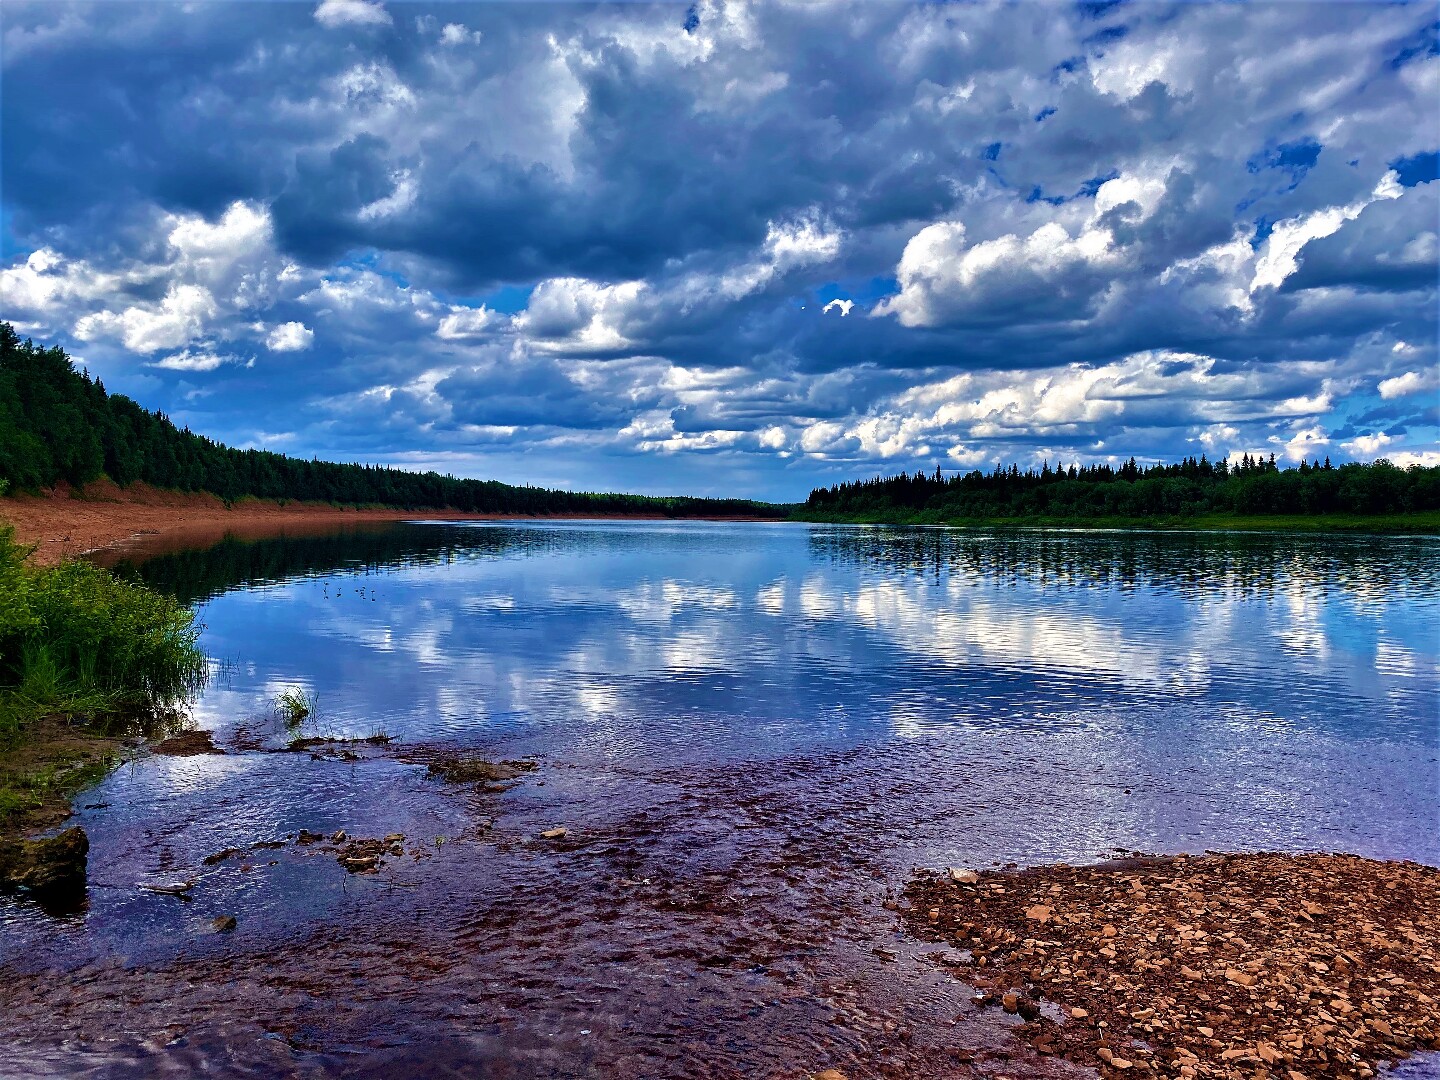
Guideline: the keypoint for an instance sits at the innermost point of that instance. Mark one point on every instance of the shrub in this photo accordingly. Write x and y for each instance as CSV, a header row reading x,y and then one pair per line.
x,y
75,639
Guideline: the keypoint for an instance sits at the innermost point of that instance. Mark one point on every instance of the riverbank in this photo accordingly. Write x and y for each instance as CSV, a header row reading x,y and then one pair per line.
x,y
1426,523
1299,966
598,939
64,523
83,657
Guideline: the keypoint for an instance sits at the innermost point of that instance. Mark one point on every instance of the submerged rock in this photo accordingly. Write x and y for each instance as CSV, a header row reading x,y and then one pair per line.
x,y
461,770
50,867
223,924
181,889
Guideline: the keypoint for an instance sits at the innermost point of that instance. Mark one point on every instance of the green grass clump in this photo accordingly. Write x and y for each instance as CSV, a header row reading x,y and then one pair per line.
x,y
294,705
74,640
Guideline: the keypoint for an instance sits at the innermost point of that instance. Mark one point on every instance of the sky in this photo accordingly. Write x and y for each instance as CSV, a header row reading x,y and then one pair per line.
x,y
730,248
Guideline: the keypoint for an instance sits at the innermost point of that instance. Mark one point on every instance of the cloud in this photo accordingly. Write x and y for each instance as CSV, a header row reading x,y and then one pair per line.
x,y
1368,446
178,319
603,243
336,13
290,337
200,360
459,34
464,323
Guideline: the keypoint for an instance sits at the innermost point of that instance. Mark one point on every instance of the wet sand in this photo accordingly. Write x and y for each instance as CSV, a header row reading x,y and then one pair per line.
x,y
63,524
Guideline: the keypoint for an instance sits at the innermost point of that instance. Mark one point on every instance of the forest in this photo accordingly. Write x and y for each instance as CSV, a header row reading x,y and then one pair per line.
x,y
58,424
1192,488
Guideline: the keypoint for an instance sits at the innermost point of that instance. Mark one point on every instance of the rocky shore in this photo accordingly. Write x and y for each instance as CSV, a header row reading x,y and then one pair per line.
x,y
1258,965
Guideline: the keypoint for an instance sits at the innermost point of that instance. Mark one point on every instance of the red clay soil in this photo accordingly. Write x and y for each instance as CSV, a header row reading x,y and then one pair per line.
x,y
62,523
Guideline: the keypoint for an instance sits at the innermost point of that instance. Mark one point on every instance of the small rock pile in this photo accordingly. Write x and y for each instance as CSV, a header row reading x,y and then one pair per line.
x,y
463,770
1264,965
359,855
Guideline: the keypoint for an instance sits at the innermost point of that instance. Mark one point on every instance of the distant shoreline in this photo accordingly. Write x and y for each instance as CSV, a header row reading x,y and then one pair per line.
x,y
1424,523
64,524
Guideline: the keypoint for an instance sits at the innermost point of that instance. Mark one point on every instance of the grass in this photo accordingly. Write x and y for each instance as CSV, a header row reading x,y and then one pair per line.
x,y
294,704
83,657
1423,522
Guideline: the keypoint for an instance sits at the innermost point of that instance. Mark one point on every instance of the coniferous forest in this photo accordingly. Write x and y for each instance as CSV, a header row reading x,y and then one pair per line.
x,y
57,424
1192,488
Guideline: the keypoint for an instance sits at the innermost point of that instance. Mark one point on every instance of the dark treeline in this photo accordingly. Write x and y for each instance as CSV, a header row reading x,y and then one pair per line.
x,y
1193,487
58,424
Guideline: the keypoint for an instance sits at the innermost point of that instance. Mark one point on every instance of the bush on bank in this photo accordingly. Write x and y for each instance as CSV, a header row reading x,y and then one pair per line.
x,y
76,640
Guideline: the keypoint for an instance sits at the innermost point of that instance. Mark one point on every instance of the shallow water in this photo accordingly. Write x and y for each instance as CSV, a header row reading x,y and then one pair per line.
x,y
753,732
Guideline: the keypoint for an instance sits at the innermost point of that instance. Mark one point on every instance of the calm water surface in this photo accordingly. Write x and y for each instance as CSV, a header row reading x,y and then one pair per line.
x,y
753,732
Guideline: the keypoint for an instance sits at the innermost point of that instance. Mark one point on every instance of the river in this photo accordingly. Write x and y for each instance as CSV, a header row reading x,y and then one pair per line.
x,y
752,733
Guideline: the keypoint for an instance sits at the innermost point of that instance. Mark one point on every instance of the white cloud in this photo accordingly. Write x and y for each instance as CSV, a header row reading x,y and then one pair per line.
x,y
402,198
1280,254
243,230
464,323
290,337
1306,442
458,34
941,279
1366,446
1409,383
200,360
809,239
335,13
177,320
575,314
1405,458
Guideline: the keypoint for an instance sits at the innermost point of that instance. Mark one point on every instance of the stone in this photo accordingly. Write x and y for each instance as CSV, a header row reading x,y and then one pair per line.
x,y
1010,1002
963,876
223,924
462,770
557,833
54,866
170,888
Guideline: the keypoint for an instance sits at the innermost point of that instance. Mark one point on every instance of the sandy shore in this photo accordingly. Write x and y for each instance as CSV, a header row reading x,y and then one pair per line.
x,y
64,523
